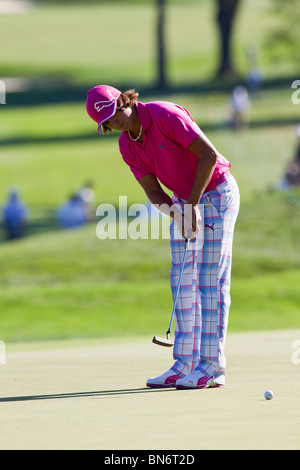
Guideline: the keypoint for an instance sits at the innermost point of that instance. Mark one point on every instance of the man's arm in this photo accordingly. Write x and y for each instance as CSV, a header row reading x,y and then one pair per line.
x,y
157,196
207,159
155,192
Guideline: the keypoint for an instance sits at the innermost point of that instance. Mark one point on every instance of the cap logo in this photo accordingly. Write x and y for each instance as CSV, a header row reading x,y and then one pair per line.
x,y
104,104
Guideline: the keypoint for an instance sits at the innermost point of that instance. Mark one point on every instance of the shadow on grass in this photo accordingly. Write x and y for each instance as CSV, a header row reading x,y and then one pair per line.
x,y
68,93
62,90
206,127
102,393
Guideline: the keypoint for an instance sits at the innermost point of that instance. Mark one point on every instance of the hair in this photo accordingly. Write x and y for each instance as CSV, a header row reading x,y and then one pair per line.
x,y
125,100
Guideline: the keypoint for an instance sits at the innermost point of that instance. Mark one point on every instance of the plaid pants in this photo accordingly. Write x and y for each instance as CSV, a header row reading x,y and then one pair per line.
x,y
201,315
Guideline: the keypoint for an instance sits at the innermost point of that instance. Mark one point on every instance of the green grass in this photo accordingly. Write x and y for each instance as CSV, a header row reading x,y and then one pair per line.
x,y
47,171
210,109
58,284
71,284
77,44
266,302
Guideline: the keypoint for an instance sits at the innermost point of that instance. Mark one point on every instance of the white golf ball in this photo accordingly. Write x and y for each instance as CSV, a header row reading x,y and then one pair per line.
x,y
269,395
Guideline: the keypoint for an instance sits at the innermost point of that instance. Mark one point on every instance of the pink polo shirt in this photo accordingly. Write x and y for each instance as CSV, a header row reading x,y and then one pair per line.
x,y
168,131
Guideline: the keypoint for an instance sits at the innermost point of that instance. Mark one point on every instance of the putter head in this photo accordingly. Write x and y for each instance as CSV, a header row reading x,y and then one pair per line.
x,y
163,342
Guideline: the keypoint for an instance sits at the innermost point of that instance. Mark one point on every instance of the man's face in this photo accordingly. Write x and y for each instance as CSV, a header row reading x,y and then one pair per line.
x,y
122,120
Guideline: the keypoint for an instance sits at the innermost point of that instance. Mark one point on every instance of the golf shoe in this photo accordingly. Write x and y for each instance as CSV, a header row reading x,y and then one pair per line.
x,y
166,380
197,379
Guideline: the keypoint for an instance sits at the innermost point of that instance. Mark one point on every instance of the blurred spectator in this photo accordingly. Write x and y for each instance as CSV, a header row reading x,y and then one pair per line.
x,y
255,74
240,104
292,174
15,215
254,80
72,214
87,196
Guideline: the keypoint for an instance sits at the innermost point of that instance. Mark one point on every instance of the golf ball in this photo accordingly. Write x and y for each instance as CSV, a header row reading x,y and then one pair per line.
x,y
269,395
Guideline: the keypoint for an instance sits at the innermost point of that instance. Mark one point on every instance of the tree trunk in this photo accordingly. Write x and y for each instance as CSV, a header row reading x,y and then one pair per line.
x,y
161,47
226,14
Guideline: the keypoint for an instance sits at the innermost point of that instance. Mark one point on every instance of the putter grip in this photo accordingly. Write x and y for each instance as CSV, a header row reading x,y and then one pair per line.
x,y
189,234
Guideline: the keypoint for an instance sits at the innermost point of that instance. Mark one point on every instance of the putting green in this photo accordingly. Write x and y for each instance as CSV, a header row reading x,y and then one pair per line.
x,y
92,395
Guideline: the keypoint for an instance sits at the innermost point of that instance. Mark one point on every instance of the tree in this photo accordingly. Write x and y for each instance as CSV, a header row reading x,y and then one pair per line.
x,y
161,46
225,18
283,39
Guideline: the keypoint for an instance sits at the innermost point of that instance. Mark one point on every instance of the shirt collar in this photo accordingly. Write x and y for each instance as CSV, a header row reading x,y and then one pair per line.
x,y
143,115
145,119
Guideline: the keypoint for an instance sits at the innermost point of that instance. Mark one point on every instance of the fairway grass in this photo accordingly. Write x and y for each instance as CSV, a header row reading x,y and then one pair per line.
x,y
70,284
92,395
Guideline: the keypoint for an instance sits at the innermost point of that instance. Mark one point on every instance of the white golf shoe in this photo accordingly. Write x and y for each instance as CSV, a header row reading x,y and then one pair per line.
x,y
197,380
166,380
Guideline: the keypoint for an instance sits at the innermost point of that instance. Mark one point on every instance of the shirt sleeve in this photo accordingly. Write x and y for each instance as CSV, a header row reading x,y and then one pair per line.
x,y
182,126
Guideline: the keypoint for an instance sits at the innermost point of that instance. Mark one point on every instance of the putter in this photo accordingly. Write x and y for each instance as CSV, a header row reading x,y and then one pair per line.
x,y
167,342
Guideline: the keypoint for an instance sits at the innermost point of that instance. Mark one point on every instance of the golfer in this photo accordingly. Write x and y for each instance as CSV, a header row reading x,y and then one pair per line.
x,y
164,147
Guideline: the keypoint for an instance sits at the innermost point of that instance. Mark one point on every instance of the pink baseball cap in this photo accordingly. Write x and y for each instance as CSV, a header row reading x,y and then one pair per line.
x,y
101,103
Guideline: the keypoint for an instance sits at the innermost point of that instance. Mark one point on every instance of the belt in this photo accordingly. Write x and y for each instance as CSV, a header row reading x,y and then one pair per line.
x,y
213,184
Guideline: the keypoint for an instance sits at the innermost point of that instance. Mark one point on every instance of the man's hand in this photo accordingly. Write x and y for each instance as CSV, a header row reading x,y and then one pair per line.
x,y
189,223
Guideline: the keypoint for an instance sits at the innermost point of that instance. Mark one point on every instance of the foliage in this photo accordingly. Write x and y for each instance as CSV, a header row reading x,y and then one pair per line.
x,y
283,40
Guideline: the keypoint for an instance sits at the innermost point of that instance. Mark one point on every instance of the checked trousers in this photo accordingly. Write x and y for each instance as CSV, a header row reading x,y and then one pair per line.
x,y
202,309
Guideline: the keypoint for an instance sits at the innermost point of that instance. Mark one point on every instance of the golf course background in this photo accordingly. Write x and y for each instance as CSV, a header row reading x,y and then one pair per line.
x,y
69,284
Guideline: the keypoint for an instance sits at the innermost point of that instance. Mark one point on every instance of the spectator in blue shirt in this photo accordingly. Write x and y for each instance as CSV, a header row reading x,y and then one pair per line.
x,y
15,215
72,214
